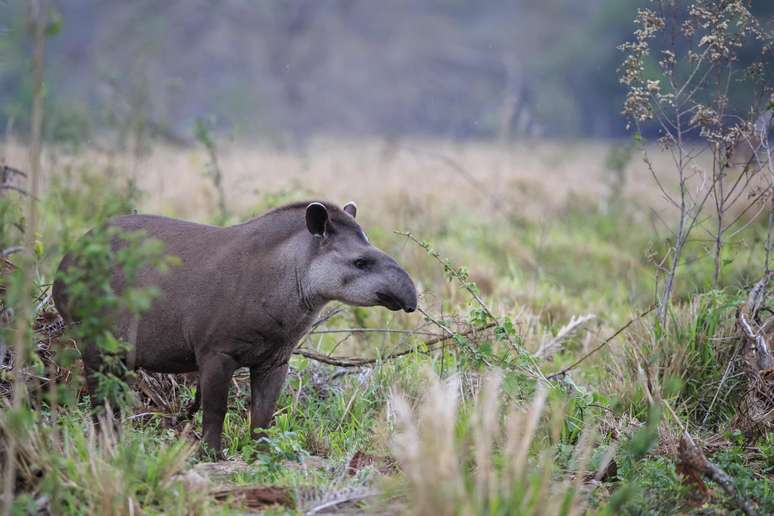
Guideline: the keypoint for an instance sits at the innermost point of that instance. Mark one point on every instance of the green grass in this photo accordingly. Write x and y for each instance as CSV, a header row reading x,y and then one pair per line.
x,y
587,259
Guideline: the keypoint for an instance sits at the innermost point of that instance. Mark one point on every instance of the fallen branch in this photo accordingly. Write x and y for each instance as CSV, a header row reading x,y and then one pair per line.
x,y
255,497
758,355
341,361
603,344
692,456
693,460
757,405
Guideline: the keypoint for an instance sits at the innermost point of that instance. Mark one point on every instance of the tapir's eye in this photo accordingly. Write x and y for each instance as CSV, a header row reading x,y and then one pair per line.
x,y
361,263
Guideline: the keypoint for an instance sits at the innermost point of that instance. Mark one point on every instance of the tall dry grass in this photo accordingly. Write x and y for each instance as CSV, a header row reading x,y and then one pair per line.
x,y
90,471
482,458
531,178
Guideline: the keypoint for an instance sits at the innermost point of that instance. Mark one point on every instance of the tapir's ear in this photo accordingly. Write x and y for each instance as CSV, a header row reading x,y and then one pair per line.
x,y
317,219
351,208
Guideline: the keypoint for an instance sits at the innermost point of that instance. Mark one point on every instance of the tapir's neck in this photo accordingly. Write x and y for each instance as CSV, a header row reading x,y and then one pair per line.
x,y
307,300
280,267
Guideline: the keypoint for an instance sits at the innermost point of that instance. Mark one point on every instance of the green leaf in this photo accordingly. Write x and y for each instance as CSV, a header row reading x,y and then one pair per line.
x,y
55,22
39,248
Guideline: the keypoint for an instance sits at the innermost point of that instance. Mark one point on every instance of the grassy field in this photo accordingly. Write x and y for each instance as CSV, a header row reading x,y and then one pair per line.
x,y
527,257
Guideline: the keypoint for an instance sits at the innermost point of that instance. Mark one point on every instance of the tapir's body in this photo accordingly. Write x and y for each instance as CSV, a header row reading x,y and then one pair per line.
x,y
233,292
243,296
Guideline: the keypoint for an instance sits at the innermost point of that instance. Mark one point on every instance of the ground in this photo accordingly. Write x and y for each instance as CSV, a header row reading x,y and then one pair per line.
x,y
526,256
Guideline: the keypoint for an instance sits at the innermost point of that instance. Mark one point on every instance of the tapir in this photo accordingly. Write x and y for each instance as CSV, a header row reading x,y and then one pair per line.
x,y
243,296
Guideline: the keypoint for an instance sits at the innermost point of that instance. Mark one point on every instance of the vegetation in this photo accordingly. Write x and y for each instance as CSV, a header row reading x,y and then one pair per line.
x,y
592,334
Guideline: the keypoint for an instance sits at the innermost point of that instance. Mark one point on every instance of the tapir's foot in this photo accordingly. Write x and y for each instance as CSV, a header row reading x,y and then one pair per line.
x,y
210,454
259,435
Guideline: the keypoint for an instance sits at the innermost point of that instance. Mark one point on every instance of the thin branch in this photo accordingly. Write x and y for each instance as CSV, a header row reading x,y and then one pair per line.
x,y
11,250
6,170
722,382
375,330
435,255
330,314
342,361
600,346
22,191
649,163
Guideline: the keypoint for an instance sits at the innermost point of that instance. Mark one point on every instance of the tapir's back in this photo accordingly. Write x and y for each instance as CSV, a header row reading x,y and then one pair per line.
x,y
184,289
185,240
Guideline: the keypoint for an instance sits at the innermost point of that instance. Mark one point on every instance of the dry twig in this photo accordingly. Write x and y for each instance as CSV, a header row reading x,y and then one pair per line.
x,y
693,458
757,405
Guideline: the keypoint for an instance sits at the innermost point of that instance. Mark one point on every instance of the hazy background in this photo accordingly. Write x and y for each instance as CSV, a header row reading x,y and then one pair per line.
x,y
285,71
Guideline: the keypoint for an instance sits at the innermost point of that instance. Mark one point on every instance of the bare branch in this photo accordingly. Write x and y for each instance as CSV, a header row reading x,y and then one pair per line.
x,y
601,345
343,361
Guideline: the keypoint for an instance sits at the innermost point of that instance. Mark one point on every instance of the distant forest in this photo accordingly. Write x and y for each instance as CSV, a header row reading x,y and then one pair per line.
x,y
283,71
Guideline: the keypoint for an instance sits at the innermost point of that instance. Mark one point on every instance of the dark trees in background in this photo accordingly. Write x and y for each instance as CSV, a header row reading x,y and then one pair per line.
x,y
287,70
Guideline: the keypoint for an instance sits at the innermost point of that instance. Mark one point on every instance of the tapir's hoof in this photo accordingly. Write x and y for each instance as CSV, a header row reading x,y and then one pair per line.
x,y
207,453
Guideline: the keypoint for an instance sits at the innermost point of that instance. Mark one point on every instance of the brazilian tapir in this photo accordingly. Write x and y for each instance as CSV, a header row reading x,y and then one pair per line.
x,y
243,296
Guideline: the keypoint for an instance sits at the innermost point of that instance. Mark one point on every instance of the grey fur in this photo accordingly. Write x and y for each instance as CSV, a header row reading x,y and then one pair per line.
x,y
244,296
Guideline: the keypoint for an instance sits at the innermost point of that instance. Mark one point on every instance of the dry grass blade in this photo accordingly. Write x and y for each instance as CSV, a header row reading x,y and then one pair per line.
x,y
340,499
528,425
479,465
601,345
426,450
553,345
485,422
102,471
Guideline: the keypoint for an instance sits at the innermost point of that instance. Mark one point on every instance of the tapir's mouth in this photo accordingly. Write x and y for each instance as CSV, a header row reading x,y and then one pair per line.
x,y
389,301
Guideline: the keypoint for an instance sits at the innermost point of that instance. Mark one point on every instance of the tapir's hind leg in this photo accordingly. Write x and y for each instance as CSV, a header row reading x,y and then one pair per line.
x,y
95,368
92,365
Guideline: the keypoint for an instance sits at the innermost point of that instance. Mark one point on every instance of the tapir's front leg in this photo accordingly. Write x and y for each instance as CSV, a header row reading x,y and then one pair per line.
x,y
265,387
215,377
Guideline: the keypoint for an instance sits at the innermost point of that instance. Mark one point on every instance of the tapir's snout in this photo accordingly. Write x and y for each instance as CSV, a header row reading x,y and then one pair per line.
x,y
400,292
410,297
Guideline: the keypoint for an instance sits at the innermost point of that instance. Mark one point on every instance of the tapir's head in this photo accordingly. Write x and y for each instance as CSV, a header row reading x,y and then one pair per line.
x,y
345,267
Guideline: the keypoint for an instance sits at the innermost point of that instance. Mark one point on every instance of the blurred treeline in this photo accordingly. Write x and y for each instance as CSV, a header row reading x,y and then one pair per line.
x,y
283,71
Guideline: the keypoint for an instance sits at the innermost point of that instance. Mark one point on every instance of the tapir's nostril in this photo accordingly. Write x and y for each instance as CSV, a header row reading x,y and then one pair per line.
x,y
410,301
401,294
